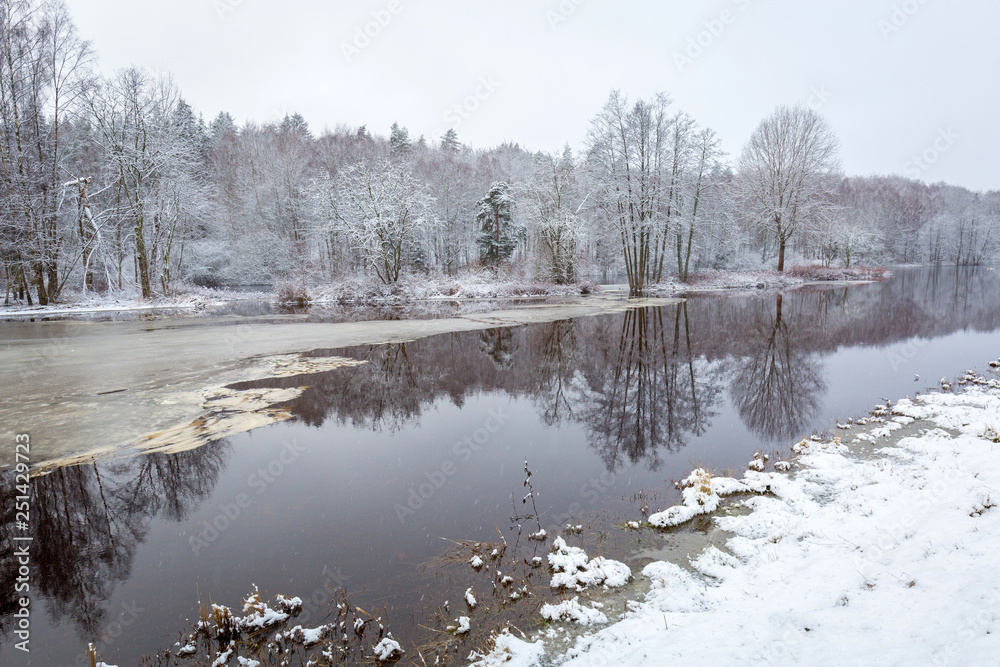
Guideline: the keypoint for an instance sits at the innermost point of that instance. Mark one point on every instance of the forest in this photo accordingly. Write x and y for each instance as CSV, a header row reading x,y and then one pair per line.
x,y
113,183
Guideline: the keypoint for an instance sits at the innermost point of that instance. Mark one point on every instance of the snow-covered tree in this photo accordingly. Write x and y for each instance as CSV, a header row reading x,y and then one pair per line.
x,y
379,208
787,174
497,235
550,204
627,158
450,142
45,74
399,140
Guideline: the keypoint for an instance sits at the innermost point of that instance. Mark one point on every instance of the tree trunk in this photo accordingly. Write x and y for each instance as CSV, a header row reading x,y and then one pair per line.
x,y
143,261
781,256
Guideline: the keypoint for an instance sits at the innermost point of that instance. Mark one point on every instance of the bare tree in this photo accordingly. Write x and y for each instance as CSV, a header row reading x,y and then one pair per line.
x,y
378,208
788,172
627,144
551,209
45,70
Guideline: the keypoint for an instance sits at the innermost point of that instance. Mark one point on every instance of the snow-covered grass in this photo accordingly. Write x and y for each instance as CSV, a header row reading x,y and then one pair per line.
x,y
766,279
468,285
187,297
868,551
261,635
820,273
574,570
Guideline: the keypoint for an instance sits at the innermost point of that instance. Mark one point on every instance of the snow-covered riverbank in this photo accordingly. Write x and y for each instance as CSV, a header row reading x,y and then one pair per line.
x,y
879,547
469,286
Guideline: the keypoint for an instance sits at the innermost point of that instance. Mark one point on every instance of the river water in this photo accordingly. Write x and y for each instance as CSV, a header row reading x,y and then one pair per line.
x,y
384,465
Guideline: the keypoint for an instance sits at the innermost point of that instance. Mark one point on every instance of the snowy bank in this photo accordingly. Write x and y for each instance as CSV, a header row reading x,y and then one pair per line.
x,y
796,276
869,551
471,285
74,302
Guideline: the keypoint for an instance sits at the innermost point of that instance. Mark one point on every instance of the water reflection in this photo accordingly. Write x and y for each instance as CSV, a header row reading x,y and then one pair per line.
x,y
644,390
639,386
646,382
777,387
88,521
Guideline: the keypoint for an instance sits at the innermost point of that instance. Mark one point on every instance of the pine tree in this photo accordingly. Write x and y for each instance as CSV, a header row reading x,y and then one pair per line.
x,y
223,124
297,124
450,142
399,140
497,239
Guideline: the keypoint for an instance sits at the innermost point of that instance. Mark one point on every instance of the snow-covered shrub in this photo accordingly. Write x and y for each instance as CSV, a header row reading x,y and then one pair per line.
x,y
290,293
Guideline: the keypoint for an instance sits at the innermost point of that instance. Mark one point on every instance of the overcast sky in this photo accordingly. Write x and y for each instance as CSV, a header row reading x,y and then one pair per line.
x,y
897,79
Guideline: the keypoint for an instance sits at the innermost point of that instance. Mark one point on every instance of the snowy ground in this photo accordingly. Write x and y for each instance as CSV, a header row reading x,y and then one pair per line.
x,y
468,286
883,549
193,298
763,279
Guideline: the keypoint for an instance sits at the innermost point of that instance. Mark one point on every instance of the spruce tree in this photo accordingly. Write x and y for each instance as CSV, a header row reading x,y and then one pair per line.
x,y
497,238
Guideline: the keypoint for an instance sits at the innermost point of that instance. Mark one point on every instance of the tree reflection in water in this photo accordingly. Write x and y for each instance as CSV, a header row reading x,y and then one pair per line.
x,y
640,384
644,394
650,380
776,389
89,519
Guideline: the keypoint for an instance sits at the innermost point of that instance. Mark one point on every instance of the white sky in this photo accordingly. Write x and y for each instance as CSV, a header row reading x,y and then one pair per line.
x,y
888,96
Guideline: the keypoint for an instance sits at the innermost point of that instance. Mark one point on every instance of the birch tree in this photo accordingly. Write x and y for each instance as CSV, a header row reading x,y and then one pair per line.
x,y
626,156
45,71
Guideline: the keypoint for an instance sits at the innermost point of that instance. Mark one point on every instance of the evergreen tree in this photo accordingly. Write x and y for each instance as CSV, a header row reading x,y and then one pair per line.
x,y
191,128
449,142
497,238
297,124
399,139
223,124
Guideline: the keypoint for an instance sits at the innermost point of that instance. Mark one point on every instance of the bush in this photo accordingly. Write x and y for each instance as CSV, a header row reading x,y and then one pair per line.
x,y
816,272
289,293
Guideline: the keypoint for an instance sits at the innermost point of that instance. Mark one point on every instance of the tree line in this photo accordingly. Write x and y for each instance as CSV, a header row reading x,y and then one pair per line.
x,y
113,182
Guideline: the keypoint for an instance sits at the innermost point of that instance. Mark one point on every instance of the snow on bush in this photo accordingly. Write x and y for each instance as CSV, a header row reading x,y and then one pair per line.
x,y
701,494
574,570
469,285
387,649
572,610
821,273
